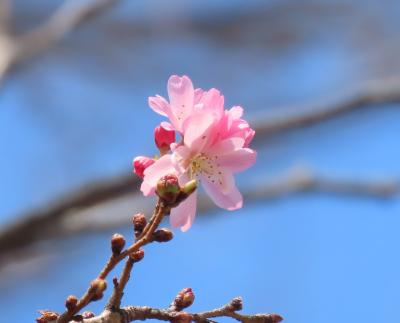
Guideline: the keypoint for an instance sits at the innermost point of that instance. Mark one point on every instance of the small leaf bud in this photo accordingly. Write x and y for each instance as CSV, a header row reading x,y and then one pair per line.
x,y
71,302
117,243
163,235
137,255
97,287
236,304
139,222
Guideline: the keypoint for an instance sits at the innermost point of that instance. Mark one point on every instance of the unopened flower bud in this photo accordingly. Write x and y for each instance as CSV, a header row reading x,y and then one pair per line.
x,y
70,303
97,287
163,235
87,314
168,188
190,187
137,255
182,317
236,304
139,222
140,164
163,138
117,243
184,299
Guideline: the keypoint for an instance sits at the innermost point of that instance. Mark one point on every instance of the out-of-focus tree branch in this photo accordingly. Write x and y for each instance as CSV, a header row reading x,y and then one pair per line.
x,y
80,211
368,93
5,14
70,15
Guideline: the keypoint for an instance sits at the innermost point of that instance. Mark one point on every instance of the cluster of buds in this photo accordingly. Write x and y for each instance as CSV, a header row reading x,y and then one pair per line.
x,y
97,288
171,193
183,299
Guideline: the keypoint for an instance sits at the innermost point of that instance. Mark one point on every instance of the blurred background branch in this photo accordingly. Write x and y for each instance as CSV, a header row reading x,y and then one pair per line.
x,y
88,209
70,15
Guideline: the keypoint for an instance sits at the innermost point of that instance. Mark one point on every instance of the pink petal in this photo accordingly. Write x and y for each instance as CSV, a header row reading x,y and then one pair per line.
x,y
181,96
238,160
226,146
153,173
183,215
180,158
198,93
236,112
159,105
230,201
198,131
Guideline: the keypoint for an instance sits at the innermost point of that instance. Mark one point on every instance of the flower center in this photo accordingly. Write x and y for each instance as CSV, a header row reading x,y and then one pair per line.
x,y
207,166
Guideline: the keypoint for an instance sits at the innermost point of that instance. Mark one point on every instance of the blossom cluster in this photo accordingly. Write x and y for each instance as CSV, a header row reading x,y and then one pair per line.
x,y
213,145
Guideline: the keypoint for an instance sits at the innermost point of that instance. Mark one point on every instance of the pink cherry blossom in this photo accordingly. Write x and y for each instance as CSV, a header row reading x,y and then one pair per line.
x,y
214,147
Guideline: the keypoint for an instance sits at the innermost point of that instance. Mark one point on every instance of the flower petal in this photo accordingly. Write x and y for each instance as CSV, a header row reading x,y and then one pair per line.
x,y
230,201
226,146
181,96
238,160
183,215
159,105
198,131
153,173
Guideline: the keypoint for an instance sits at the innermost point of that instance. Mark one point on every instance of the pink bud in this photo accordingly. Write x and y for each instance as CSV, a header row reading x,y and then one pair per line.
x,y
140,163
163,138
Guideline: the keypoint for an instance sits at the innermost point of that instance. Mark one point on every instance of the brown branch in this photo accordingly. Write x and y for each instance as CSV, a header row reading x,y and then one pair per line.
x,y
135,313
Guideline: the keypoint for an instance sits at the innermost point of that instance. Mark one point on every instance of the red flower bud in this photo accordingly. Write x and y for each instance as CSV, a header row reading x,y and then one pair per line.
x,y
117,243
140,163
163,138
168,188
